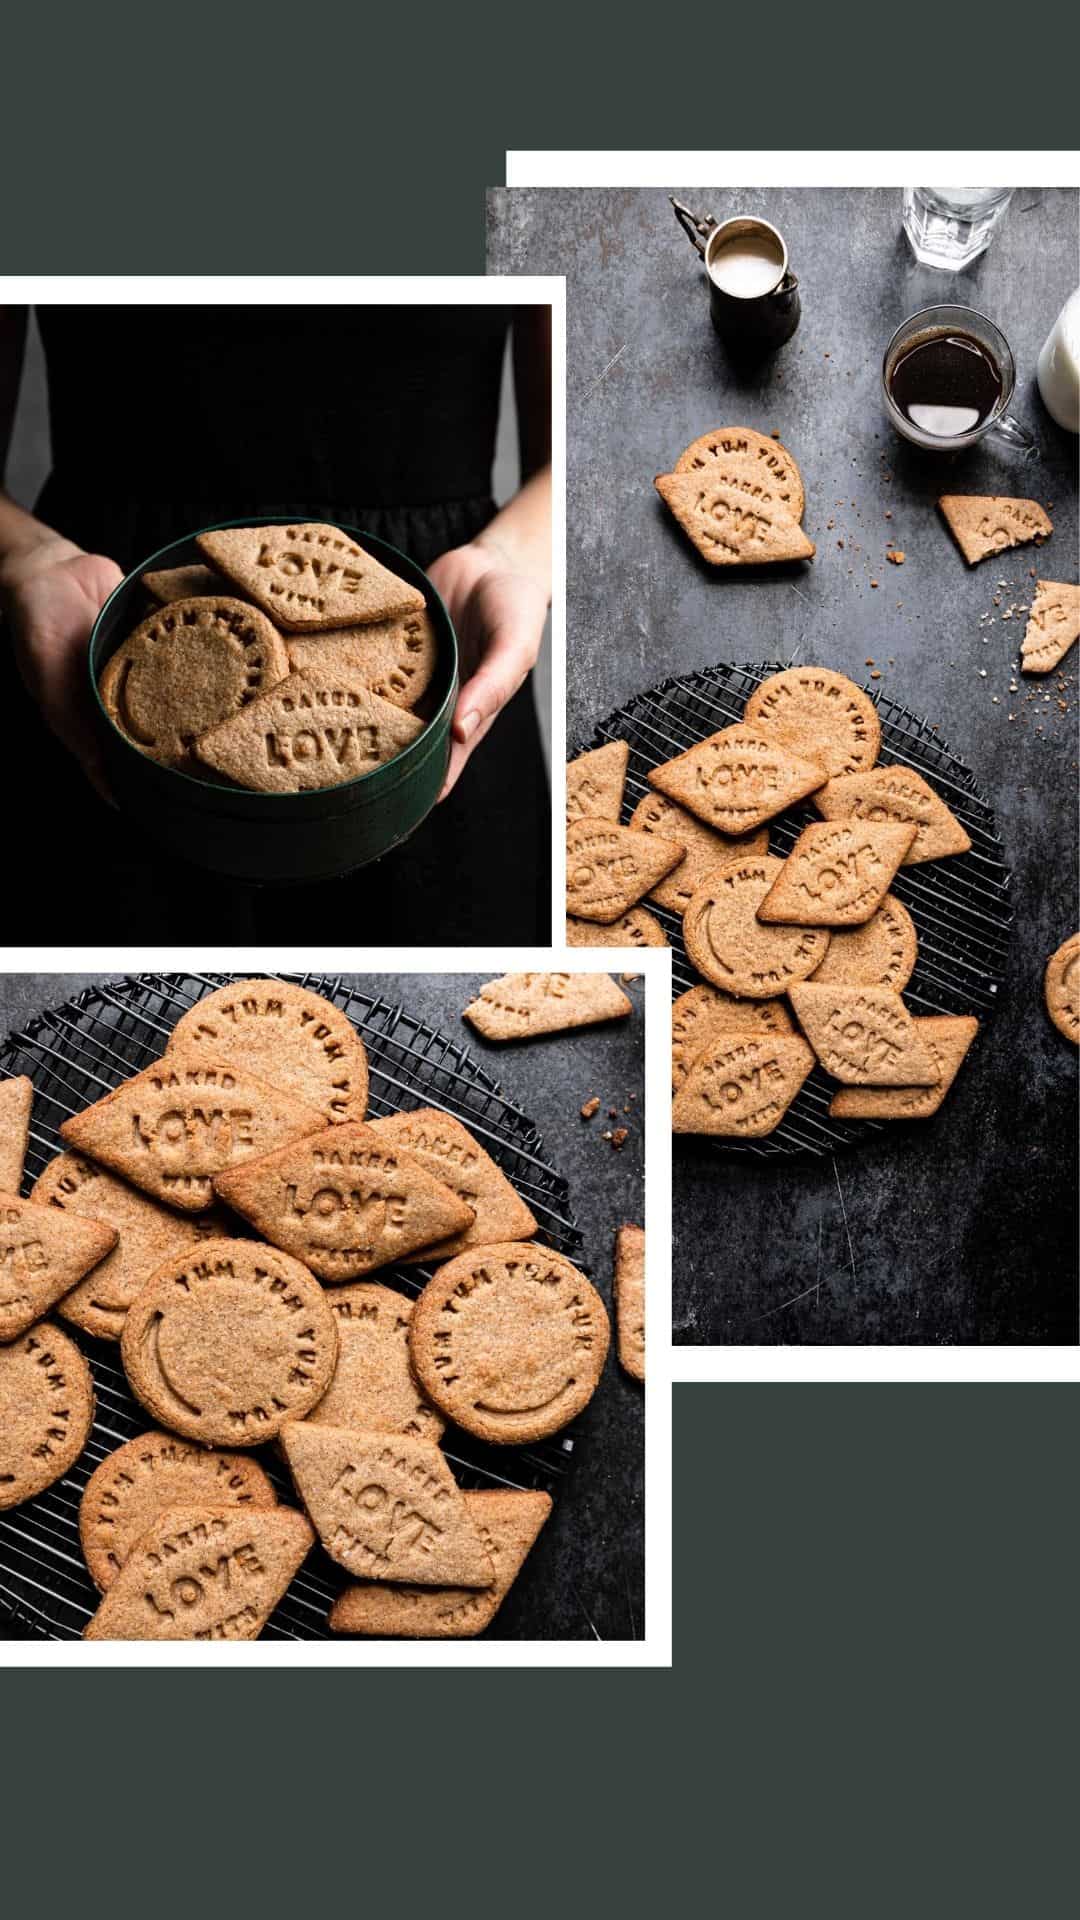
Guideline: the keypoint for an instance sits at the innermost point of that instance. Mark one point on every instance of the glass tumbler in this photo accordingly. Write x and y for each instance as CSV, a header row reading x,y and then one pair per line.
x,y
949,227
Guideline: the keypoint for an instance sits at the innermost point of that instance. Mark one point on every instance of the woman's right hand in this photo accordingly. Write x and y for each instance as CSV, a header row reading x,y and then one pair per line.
x,y
51,593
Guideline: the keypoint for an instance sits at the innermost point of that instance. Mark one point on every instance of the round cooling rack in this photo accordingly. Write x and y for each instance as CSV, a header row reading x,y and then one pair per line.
x,y
76,1053
960,906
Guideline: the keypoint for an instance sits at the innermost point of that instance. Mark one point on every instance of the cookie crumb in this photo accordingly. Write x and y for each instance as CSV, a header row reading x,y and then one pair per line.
x,y
591,1107
620,1135
897,557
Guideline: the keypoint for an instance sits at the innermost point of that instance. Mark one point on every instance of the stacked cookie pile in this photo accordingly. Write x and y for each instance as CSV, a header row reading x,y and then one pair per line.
x,y
739,497
292,660
219,1215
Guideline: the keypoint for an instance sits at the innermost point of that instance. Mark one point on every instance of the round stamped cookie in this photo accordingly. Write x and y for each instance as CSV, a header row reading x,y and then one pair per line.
x,y
226,1344
373,1387
283,1034
752,456
510,1341
821,716
191,665
394,658
1062,988
142,1479
706,848
732,948
46,1409
880,953
703,1013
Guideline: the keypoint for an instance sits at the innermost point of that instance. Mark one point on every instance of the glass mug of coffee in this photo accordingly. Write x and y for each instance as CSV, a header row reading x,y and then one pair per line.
x,y
948,377
753,295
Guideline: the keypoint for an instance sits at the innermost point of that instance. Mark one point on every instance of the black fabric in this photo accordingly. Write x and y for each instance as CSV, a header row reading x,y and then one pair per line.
x,y
166,419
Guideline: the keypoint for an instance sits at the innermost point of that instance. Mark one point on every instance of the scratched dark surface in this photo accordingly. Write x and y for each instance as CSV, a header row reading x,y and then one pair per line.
x,y
964,1229
585,1577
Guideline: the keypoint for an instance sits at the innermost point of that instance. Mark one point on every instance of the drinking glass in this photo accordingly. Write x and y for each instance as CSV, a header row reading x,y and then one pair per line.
x,y
949,227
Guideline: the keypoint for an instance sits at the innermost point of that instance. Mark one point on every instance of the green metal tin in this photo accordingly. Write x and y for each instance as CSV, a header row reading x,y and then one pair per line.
x,y
277,838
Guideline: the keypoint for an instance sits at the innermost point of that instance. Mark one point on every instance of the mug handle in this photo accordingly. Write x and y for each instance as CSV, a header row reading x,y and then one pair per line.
x,y
697,231
1015,436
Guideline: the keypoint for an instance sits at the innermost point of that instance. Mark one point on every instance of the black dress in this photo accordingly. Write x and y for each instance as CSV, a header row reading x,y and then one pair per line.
x,y
166,419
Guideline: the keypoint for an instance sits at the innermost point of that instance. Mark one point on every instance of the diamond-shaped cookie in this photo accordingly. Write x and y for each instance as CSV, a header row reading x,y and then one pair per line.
x,y
609,868
736,780
731,527
837,873
864,1036
741,1085
897,794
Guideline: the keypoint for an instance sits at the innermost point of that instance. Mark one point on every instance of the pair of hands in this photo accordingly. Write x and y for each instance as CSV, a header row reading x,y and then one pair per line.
x,y
53,592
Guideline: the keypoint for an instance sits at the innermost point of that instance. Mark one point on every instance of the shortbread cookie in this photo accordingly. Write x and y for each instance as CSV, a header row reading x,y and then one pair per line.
x,y
881,953
373,1389
450,1153
733,949
520,1006
190,666
736,780
610,868
16,1099
43,1254
170,1128
946,1038
741,457
741,1085
508,1524
703,848
289,1036
864,1036
1062,988
204,1573
393,658
46,1410
638,928
900,795
309,576
984,523
125,1496
837,873
315,729
729,525
705,1013
344,1201
386,1506
819,715
148,1235
228,1342
184,583
510,1341
595,782
1053,626
628,1293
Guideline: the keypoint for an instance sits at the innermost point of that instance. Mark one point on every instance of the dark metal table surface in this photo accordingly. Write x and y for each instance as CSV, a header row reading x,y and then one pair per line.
x,y
964,1230
585,1578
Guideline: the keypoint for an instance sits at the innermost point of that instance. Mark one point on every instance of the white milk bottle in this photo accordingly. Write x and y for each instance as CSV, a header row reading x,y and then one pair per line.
x,y
1059,366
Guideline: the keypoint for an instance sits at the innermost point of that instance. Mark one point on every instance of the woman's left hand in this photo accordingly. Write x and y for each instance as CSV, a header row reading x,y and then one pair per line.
x,y
499,617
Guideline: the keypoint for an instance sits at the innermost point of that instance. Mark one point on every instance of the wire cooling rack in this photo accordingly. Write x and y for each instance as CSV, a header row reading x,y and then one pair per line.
x,y
79,1051
960,906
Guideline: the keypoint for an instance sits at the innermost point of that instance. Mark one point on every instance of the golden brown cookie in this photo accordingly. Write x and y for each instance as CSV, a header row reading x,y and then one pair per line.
x,y
508,1524
309,576
1053,626
820,715
703,848
393,658
204,1573
315,729
864,1036
736,780
705,1013
148,1235
1062,988
16,1099
638,928
731,525
741,1085
373,1389
184,583
881,953
519,1006
628,1292
595,781
837,873
228,1342
386,1506
946,1038
901,795
983,523
451,1154
732,948
170,1128
745,457
190,666
46,1410
610,868
43,1254
288,1036
134,1485
510,1341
